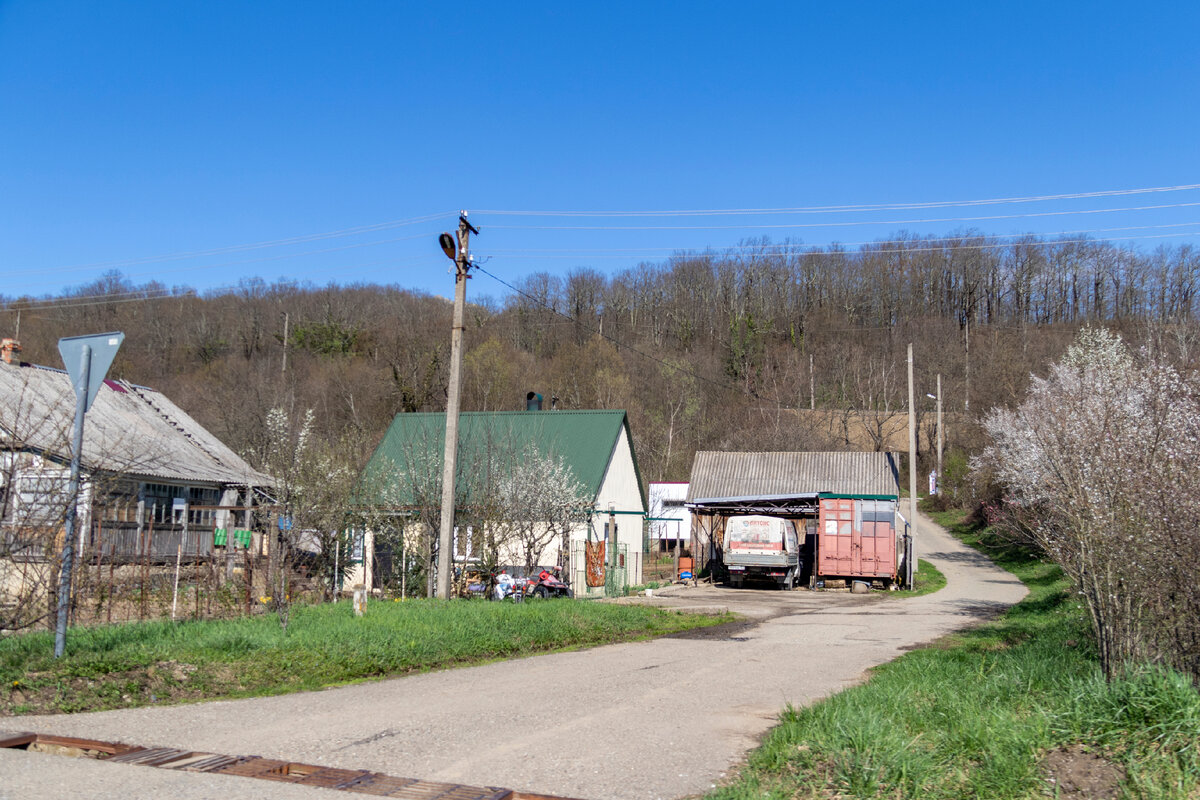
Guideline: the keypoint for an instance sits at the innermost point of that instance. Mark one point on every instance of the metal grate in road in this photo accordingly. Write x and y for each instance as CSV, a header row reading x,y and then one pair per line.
x,y
359,781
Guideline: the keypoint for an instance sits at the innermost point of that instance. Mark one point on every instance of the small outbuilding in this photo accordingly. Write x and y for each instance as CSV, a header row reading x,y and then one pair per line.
x,y
844,506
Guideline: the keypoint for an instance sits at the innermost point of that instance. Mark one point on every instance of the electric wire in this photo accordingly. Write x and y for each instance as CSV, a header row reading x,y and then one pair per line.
x,y
799,246
618,343
800,250
354,231
849,208
842,224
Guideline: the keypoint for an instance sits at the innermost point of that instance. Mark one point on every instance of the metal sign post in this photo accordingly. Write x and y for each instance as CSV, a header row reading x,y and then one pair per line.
x,y
87,359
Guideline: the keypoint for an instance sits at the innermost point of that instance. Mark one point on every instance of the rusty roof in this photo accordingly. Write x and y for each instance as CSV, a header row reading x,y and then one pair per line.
x,y
726,476
129,429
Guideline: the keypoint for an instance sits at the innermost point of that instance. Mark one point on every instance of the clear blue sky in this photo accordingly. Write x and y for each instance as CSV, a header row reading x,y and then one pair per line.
x,y
134,130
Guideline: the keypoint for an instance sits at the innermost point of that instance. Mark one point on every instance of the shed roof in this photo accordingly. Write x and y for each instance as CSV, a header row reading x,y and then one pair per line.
x,y
129,429
584,439
742,476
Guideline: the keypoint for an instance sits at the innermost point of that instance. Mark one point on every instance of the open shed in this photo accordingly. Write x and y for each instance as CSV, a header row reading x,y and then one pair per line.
x,y
845,505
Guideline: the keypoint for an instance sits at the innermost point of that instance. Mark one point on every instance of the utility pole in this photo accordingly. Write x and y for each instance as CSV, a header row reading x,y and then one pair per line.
x,y
462,263
285,341
812,385
940,433
912,471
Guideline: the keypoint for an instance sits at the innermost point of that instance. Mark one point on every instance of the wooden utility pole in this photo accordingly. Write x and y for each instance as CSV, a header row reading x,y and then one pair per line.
x,y
912,471
462,264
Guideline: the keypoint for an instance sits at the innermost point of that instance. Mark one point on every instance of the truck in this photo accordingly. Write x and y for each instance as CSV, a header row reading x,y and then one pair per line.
x,y
762,547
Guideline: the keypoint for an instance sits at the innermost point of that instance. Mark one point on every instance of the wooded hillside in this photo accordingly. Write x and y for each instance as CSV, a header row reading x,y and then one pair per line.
x,y
706,351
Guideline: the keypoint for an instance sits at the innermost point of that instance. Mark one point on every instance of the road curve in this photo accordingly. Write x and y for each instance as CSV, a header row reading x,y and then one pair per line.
x,y
657,719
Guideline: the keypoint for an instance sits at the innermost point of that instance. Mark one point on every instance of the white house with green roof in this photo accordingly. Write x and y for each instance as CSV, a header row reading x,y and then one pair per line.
x,y
594,447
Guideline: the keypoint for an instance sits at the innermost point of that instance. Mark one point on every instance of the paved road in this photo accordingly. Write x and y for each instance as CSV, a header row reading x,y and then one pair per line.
x,y
655,719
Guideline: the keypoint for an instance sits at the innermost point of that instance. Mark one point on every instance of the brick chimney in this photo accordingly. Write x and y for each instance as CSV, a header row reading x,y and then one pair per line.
x,y
8,349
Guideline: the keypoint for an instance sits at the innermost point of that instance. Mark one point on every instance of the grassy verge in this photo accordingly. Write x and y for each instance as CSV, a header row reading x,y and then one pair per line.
x,y
926,580
991,713
161,662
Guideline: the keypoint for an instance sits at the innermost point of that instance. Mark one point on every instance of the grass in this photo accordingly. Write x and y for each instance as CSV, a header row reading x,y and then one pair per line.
x,y
975,715
325,645
926,580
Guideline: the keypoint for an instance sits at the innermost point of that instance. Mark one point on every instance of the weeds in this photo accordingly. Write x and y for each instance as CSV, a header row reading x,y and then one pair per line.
x,y
140,663
974,715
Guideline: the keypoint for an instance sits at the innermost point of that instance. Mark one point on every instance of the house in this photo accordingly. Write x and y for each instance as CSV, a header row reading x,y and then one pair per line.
x,y
154,484
670,520
502,454
845,505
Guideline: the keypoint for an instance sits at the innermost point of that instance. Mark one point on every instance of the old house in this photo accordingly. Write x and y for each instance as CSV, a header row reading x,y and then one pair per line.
x,y
153,480
845,506
506,456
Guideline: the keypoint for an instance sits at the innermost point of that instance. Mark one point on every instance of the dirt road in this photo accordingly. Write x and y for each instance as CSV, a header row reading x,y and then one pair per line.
x,y
655,719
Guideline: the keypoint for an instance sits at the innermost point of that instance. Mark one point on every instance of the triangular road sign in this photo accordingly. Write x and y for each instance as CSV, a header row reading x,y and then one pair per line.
x,y
104,348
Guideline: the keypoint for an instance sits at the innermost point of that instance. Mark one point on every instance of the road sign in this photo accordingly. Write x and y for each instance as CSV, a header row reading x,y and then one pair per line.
x,y
102,348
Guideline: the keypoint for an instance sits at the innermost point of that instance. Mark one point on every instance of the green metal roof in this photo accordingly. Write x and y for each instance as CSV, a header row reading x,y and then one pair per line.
x,y
583,439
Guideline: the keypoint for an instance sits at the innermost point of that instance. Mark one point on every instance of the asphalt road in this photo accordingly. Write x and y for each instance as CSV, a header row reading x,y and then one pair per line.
x,y
659,719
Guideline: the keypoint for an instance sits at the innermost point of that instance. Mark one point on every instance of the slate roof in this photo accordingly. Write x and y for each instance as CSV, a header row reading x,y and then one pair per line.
x,y
129,429
728,476
584,439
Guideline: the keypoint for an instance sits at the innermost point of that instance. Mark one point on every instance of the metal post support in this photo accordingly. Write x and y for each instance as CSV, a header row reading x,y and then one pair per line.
x,y
68,553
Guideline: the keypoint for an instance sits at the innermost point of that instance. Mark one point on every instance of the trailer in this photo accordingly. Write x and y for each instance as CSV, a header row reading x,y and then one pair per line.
x,y
856,538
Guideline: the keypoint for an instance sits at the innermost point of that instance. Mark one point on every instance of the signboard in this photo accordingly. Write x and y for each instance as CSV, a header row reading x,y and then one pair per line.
x,y
101,349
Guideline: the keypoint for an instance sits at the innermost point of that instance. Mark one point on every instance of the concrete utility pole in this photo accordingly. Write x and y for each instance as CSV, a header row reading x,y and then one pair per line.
x,y
912,470
940,434
462,264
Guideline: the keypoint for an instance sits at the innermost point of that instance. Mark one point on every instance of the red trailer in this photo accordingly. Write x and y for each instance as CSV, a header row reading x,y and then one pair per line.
x,y
856,538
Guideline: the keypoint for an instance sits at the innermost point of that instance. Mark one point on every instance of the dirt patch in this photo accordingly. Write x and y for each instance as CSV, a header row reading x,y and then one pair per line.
x,y
164,682
1077,773
723,632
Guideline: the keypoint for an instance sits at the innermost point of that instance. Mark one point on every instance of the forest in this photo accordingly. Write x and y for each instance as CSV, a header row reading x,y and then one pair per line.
x,y
764,346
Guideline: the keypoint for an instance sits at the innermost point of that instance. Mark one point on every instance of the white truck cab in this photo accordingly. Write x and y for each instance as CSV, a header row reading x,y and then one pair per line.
x,y
758,546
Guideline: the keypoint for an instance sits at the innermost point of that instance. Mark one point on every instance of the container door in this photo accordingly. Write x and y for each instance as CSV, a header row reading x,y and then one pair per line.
x,y
836,550
879,538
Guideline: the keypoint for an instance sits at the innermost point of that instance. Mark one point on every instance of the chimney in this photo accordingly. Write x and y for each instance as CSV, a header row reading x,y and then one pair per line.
x,y
9,348
533,402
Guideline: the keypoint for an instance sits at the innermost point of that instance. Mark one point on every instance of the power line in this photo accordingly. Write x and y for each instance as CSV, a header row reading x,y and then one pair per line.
x,y
795,225
803,248
262,259
615,341
848,208
258,245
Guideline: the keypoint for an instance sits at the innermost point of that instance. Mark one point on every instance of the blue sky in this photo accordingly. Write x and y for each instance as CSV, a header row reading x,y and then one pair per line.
x,y
131,131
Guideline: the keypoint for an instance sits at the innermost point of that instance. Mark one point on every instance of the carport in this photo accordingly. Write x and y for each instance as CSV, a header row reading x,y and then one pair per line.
x,y
844,504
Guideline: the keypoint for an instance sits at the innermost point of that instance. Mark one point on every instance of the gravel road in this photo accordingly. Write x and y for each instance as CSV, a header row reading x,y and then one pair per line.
x,y
658,719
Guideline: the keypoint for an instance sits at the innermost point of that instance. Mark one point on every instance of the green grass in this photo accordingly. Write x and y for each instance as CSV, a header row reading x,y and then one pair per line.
x,y
927,580
974,715
155,662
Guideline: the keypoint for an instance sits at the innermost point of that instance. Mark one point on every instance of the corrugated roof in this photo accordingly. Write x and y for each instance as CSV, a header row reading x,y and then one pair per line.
x,y
129,429
584,439
742,475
